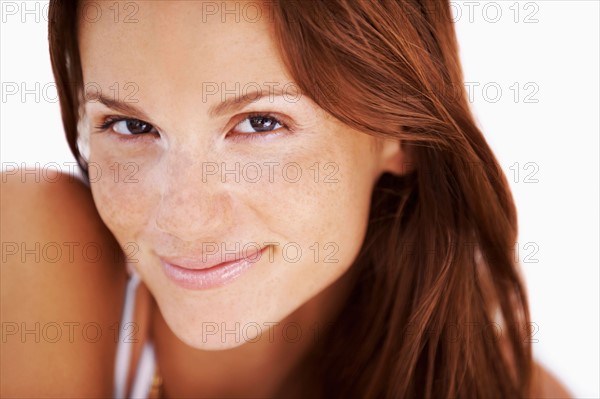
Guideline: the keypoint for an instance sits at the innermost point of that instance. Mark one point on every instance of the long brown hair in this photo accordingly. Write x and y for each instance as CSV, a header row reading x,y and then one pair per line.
x,y
438,307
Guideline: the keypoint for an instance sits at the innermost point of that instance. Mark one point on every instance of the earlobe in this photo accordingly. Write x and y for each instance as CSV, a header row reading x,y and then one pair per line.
x,y
395,158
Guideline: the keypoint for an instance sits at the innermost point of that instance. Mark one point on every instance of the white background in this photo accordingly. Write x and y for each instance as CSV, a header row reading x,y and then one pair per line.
x,y
549,133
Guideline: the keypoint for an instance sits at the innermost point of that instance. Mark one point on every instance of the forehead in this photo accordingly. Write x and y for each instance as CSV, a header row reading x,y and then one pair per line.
x,y
168,48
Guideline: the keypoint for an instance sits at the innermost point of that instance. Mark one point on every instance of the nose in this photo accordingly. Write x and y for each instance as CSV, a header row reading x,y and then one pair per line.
x,y
191,207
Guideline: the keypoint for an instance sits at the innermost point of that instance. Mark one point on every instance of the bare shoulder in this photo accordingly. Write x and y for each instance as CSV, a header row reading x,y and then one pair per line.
x,y
546,385
62,280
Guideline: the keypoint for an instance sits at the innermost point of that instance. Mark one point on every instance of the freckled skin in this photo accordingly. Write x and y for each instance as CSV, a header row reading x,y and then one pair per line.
x,y
170,206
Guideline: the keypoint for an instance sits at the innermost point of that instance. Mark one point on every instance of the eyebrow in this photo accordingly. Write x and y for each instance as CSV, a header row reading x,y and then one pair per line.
x,y
229,105
125,107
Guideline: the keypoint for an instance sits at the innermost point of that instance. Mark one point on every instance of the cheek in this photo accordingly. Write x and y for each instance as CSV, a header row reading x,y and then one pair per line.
x,y
123,194
323,213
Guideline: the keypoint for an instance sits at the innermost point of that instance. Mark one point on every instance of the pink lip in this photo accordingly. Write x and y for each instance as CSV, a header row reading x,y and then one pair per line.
x,y
200,274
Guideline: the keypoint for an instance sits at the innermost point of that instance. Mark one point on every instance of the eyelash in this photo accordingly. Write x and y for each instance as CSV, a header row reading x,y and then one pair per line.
x,y
109,121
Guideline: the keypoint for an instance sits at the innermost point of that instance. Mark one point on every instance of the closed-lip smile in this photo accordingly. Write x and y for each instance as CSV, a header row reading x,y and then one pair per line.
x,y
208,271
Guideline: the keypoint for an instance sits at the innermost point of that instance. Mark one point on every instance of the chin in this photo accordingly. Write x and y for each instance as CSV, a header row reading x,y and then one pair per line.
x,y
218,343
215,327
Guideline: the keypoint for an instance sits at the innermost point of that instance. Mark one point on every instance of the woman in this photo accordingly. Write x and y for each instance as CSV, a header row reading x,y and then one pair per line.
x,y
282,199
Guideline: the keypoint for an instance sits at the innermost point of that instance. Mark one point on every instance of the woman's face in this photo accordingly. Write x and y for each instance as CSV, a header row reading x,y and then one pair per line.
x,y
186,181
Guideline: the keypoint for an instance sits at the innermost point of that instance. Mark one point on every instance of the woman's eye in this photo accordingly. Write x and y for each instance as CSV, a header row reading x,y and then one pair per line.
x,y
132,127
258,124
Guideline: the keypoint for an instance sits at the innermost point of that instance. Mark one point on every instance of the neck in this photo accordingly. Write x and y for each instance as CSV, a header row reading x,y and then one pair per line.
x,y
268,367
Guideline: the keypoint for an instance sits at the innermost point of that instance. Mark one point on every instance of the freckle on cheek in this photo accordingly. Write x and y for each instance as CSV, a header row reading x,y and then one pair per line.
x,y
113,208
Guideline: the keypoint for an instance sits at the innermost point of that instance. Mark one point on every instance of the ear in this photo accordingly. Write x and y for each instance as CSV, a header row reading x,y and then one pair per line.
x,y
395,158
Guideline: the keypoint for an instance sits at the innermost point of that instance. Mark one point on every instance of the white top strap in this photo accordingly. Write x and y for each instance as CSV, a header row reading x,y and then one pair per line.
x,y
123,358
144,376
